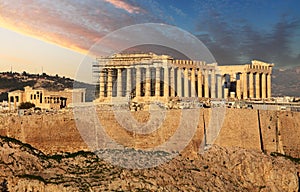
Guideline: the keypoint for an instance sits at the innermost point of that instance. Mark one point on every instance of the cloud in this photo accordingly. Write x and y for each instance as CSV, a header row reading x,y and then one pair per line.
x,y
275,45
79,24
126,6
217,34
76,25
233,43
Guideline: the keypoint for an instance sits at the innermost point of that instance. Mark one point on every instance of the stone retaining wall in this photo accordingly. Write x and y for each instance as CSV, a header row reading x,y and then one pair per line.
x,y
269,131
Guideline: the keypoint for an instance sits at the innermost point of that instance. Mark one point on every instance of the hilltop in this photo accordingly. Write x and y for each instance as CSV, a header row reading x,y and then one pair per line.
x,y
10,81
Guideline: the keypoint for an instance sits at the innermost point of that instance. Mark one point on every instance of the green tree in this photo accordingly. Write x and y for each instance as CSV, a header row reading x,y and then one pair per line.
x,y
26,105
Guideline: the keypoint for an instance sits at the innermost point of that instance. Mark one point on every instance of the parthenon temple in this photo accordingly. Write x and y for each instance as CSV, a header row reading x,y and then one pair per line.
x,y
147,77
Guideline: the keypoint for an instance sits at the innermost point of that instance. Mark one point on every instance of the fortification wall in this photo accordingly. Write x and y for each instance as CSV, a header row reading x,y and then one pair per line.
x,y
289,133
240,128
50,133
270,131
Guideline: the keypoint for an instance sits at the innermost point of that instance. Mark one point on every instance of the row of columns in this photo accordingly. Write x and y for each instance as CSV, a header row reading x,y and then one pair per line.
x,y
15,100
54,100
250,86
182,82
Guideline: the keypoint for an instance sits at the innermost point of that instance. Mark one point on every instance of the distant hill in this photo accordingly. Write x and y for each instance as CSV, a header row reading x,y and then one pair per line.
x,y
10,81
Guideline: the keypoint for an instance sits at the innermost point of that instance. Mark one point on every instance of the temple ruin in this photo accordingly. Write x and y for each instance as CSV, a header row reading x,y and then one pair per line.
x,y
45,99
147,77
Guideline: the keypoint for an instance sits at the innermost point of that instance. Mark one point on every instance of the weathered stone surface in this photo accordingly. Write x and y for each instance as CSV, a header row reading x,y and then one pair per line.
x,y
218,169
271,131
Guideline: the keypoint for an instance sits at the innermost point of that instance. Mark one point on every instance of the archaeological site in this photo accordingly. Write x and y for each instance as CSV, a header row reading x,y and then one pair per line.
x,y
157,124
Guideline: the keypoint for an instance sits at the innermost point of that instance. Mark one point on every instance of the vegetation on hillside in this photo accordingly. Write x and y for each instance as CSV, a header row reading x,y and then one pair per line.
x,y
26,105
10,81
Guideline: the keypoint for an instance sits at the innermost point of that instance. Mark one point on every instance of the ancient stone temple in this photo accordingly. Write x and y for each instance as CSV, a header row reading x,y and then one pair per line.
x,y
45,99
248,80
149,77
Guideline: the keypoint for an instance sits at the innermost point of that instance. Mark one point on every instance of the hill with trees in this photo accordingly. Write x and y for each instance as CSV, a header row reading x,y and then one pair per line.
x,y
10,81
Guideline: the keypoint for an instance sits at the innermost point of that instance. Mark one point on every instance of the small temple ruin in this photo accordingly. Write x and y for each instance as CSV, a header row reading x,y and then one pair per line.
x,y
46,99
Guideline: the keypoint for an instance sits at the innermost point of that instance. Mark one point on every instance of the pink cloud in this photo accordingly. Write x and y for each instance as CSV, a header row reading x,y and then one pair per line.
x,y
123,5
70,25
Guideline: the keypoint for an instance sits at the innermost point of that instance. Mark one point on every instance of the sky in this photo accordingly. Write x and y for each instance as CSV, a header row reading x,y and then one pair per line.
x,y
56,36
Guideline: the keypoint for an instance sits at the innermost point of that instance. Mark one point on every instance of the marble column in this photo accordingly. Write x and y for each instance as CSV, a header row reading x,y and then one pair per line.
x,y
245,87
109,83
138,82
186,82
179,83
238,89
172,81
166,82
15,102
219,86
9,105
102,83
213,84
269,86
193,83
226,93
200,83
119,83
263,86
206,88
128,82
257,85
148,82
251,85
157,81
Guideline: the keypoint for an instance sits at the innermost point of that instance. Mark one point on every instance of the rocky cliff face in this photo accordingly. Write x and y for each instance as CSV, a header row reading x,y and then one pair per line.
x,y
24,168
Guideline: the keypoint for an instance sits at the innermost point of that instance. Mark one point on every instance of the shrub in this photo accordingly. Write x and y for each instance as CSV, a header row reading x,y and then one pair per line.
x,y
26,105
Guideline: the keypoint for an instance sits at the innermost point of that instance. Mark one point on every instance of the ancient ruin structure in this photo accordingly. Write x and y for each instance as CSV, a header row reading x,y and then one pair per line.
x,y
46,99
146,77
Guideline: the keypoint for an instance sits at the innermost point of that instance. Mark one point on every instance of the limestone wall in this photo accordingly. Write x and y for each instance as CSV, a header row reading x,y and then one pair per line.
x,y
271,131
289,133
240,128
50,133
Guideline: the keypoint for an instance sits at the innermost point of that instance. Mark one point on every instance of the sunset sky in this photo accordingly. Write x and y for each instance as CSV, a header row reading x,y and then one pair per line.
x,y
56,35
